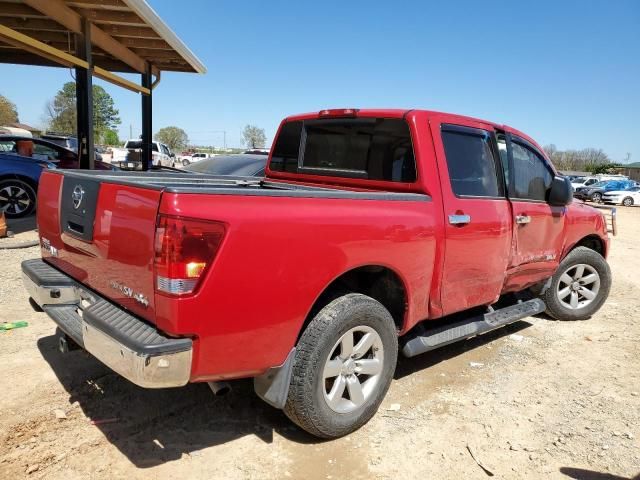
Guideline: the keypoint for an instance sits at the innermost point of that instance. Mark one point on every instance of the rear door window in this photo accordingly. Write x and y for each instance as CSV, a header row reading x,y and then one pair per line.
x,y
368,148
473,166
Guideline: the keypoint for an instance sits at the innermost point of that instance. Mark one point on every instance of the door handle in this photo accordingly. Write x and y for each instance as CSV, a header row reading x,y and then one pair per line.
x,y
459,219
523,219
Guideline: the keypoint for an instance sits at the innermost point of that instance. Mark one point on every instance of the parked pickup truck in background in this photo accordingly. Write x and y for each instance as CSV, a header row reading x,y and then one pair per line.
x,y
129,157
193,157
374,232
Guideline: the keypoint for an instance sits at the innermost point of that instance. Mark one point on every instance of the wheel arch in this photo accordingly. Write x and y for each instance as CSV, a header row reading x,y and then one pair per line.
x,y
592,242
25,178
379,282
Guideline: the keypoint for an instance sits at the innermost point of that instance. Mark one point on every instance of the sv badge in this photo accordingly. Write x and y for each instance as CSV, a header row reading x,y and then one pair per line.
x,y
129,292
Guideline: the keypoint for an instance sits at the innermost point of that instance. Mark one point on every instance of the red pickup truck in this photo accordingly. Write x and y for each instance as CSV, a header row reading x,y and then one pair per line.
x,y
374,232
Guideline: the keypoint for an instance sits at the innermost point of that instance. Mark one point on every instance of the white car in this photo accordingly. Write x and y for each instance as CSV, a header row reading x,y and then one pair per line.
x,y
628,197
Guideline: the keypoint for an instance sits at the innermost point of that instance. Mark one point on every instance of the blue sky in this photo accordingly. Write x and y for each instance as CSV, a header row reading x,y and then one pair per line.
x,y
565,72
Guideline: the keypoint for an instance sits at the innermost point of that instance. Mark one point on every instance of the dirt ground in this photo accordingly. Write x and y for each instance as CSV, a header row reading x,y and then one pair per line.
x,y
538,399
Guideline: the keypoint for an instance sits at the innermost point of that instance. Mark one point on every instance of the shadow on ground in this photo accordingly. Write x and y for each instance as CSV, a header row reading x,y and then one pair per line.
x,y
151,427
408,366
22,225
582,474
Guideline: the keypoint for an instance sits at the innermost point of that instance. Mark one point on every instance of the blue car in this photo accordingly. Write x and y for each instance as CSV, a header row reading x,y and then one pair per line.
x,y
596,191
19,177
22,161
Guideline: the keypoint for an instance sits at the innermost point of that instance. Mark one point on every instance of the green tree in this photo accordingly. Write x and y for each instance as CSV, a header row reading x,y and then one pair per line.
x,y
8,111
61,111
105,114
175,137
110,137
597,169
254,137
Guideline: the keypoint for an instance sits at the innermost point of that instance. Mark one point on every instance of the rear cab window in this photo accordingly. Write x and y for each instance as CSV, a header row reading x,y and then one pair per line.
x,y
367,148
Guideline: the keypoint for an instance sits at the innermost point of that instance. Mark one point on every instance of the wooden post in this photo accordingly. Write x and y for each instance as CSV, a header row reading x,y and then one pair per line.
x,y
3,226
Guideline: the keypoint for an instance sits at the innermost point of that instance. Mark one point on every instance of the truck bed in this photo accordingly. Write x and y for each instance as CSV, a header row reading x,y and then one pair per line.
x,y
284,243
228,185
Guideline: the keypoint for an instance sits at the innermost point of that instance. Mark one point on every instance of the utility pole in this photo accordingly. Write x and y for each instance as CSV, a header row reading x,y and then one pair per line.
x,y
224,136
130,130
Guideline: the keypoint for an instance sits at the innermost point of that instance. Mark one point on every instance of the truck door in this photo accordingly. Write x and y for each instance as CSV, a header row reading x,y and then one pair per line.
x,y
477,214
538,230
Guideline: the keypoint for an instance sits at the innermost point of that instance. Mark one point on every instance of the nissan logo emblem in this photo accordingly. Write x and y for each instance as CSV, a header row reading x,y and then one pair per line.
x,y
77,196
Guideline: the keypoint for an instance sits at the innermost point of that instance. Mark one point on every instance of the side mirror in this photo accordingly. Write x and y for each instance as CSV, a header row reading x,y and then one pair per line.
x,y
561,192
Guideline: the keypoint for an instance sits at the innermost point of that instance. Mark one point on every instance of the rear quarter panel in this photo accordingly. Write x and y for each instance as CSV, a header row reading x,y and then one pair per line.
x,y
278,255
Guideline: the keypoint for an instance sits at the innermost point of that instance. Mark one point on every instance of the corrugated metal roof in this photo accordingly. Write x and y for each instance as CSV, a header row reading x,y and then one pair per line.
x,y
125,34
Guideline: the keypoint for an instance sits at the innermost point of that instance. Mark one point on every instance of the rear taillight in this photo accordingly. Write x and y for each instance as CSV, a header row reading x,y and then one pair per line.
x,y
184,250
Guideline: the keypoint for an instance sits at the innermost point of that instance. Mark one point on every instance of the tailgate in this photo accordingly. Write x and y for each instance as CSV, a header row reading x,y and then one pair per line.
x,y
102,235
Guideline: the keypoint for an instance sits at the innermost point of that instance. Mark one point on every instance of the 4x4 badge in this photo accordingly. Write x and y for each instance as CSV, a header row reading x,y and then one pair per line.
x,y
77,196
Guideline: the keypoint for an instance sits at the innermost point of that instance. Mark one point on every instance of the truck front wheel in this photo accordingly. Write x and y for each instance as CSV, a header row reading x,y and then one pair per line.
x,y
579,287
343,366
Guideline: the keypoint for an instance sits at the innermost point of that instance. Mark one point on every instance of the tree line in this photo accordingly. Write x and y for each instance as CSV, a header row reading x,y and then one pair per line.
x,y
60,116
593,160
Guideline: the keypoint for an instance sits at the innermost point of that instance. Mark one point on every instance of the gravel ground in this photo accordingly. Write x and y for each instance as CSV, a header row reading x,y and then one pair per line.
x,y
538,399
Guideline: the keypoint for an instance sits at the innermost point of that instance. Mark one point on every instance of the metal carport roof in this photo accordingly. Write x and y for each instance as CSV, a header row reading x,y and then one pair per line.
x,y
97,38
126,34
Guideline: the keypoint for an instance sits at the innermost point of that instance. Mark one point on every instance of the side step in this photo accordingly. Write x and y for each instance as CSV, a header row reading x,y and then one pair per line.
x,y
430,339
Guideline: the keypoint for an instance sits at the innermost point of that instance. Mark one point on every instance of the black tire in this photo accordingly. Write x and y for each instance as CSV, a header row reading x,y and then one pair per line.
x,y
306,404
14,192
627,201
185,162
578,256
596,197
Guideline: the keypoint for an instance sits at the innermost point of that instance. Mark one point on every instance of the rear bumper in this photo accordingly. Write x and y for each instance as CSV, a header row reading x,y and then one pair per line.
x,y
127,345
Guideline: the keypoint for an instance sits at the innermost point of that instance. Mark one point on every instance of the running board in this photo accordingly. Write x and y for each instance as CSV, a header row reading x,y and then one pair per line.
x,y
430,339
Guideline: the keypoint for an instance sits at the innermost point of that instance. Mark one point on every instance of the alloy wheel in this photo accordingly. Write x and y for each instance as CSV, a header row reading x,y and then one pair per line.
x,y
578,286
14,199
353,370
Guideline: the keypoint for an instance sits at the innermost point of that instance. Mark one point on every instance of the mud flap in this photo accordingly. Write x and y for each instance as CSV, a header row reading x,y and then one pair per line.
x,y
273,385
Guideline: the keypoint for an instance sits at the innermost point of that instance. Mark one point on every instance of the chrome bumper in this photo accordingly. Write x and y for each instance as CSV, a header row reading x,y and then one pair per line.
x,y
127,345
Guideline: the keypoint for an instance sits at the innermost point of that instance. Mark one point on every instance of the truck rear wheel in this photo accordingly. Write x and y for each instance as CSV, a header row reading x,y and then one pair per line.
x,y
579,287
343,366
